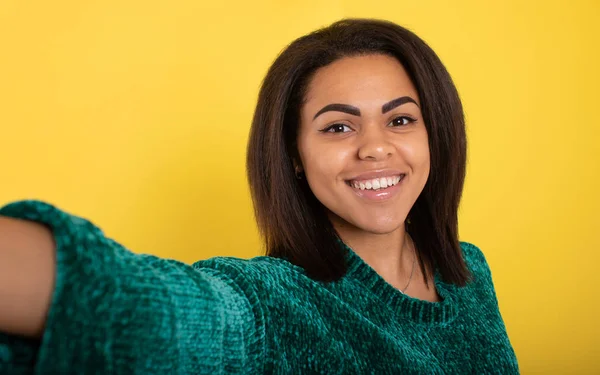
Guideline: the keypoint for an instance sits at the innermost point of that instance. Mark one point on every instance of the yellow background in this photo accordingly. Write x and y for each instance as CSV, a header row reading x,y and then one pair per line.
x,y
135,114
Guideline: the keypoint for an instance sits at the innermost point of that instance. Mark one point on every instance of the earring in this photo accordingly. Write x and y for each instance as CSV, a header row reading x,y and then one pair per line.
x,y
298,172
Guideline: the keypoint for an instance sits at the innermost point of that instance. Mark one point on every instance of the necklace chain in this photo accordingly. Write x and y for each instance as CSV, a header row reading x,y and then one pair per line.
x,y
411,274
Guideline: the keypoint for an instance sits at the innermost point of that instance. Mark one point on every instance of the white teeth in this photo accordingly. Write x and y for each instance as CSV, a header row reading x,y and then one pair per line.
x,y
376,183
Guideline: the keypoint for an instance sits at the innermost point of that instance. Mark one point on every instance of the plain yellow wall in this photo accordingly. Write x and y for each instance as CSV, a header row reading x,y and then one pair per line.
x,y
135,114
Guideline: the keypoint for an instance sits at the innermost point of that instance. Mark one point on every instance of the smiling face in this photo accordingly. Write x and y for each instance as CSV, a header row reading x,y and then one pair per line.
x,y
362,143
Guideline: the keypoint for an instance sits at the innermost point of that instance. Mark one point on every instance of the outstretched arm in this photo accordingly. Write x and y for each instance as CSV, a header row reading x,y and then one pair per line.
x,y
97,307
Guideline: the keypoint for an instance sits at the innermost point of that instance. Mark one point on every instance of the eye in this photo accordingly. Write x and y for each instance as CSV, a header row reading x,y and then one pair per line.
x,y
337,128
402,121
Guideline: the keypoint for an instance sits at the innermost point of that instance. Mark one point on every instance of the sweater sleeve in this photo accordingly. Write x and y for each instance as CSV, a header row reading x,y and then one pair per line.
x,y
114,311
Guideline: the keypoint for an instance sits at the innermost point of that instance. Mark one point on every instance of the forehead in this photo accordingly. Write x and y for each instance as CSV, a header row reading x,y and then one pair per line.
x,y
361,81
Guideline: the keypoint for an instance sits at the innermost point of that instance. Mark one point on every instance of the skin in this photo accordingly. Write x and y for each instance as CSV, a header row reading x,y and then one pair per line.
x,y
27,276
336,146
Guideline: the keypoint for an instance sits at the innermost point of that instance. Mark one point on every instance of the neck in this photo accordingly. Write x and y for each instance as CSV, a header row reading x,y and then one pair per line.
x,y
391,255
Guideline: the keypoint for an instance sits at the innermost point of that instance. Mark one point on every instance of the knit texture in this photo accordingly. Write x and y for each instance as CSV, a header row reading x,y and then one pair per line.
x,y
118,312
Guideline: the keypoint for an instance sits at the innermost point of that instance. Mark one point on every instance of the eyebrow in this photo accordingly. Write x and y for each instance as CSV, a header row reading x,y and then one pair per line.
x,y
352,110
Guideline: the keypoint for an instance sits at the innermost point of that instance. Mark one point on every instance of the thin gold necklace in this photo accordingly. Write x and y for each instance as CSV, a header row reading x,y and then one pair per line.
x,y
411,274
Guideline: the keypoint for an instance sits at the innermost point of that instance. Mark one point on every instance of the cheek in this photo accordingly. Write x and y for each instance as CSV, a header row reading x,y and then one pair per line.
x,y
416,153
322,160
323,164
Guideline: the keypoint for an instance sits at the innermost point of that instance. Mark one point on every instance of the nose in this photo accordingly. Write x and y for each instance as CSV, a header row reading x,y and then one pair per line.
x,y
374,145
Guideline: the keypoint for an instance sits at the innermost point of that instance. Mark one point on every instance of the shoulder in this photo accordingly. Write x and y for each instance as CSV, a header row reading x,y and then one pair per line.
x,y
250,270
475,260
260,279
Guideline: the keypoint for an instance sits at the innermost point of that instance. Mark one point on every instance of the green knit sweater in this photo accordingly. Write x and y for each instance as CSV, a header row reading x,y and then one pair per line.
x,y
117,312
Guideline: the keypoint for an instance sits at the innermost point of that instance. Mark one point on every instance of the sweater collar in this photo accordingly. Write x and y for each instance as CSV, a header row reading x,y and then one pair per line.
x,y
405,306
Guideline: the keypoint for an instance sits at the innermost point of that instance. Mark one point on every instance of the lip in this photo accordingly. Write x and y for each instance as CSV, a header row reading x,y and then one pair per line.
x,y
376,174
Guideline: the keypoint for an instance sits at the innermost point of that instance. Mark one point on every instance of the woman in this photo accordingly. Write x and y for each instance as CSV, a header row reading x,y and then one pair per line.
x,y
356,163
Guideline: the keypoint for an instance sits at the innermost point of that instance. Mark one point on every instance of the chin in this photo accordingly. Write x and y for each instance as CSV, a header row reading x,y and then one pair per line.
x,y
380,228
382,223
375,225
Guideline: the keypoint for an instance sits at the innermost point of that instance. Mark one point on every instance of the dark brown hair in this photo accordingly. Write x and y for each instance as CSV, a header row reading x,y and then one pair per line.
x,y
293,222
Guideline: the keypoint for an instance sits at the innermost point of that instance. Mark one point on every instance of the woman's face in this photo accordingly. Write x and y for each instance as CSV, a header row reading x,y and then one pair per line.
x,y
362,143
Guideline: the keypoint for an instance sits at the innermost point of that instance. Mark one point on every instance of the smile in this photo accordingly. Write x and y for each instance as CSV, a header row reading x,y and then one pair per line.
x,y
376,184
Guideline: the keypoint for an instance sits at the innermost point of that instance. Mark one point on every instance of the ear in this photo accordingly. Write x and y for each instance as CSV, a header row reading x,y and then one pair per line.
x,y
296,161
297,166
